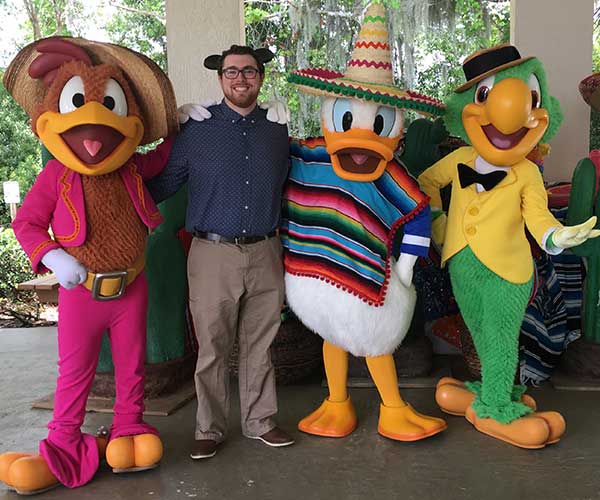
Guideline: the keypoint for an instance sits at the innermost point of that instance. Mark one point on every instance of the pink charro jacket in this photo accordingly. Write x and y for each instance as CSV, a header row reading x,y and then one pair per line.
x,y
56,200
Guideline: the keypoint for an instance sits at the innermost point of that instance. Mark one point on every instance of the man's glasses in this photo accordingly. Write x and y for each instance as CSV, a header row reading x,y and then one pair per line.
x,y
248,72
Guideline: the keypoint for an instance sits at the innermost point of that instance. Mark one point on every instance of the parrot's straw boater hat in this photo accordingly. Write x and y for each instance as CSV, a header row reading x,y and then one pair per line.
x,y
368,75
149,84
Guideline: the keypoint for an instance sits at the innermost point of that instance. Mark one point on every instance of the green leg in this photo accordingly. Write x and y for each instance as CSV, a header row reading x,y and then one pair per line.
x,y
493,310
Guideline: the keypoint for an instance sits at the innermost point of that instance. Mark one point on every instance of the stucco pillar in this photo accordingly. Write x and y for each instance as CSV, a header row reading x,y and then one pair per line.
x,y
196,29
559,33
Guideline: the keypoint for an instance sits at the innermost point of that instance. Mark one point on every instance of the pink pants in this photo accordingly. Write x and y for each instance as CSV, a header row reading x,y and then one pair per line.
x,y
72,456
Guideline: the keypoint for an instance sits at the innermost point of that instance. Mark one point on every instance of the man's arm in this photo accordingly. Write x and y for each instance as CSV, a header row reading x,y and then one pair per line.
x,y
175,173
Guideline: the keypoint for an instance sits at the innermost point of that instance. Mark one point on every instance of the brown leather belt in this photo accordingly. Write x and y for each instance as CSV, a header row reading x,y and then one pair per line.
x,y
111,285
241,240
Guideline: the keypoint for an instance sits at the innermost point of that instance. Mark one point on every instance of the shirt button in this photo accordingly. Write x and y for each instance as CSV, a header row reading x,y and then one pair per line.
x,y
232,121
246,157
243,230
247,182
252,121
244,133
471,231
246,207
473,211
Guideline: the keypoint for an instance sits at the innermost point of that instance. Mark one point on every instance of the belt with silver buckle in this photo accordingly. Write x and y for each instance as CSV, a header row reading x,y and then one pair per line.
x,y
240,240
111,285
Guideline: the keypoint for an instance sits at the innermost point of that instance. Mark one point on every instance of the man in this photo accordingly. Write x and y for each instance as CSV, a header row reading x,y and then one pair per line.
x,y
235,165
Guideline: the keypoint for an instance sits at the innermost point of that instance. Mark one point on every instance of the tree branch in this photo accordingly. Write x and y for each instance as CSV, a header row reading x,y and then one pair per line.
x,y
148,13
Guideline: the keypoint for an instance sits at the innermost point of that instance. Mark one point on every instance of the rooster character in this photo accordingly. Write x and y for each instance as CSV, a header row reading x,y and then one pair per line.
x,y
91,104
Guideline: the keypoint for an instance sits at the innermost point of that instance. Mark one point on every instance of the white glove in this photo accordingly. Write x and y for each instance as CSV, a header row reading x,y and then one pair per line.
x,y
68,270
277,111
404,268
197,112
571,236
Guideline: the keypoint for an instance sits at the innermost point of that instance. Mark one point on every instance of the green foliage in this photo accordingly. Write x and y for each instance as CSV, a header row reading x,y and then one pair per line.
x,y
15,267
142,28
448,45
53,17
19,149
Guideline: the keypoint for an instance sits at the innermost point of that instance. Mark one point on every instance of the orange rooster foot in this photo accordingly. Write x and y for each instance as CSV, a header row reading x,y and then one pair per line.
x,y
26,473
134,453
331,419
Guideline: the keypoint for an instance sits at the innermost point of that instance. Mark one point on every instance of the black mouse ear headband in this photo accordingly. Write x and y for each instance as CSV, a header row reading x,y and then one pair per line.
x,y
215,62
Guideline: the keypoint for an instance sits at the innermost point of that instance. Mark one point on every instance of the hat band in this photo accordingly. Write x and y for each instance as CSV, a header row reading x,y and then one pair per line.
x,y
490,60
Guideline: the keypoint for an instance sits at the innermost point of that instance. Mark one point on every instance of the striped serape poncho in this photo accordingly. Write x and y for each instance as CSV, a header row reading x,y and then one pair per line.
x,y
341,231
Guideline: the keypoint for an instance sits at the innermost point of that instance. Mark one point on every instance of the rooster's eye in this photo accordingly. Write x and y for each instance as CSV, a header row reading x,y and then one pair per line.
x,y
114,98
72,95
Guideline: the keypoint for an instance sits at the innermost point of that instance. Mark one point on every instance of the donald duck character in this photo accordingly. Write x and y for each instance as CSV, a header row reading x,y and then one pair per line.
x,y
503,110
91,104
345,201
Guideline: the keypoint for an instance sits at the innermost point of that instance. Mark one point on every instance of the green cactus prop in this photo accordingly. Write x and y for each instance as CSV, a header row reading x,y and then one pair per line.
x,y
583,203
167,288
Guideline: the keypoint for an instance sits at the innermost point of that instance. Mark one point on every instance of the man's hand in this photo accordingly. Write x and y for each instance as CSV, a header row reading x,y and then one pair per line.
x,y
197,112
68,270
404,268
277,111
571,236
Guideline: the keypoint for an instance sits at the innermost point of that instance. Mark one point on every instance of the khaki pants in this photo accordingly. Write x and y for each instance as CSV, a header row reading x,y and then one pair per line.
x,y
235,290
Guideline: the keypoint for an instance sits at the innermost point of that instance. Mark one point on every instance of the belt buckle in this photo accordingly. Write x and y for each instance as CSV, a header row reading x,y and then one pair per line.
x,y
239,240
97,285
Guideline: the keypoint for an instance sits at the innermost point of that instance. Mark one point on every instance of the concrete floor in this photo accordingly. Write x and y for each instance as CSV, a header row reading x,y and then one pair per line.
x,y
458,464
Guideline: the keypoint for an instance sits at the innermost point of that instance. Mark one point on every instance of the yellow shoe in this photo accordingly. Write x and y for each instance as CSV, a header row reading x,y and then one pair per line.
x,y
529,431
331,419
29,475
405,424
454,398
134,453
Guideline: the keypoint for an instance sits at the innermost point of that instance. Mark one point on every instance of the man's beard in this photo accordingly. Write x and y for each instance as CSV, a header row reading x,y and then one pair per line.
x,y
241,101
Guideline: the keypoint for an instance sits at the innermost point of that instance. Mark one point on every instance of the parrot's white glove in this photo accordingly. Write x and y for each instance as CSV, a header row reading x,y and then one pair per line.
x,y
68,270
571,236
197,112
404,268
277,111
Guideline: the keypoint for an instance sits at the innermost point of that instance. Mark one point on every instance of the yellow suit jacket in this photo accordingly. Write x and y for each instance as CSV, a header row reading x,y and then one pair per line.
x,y
492,222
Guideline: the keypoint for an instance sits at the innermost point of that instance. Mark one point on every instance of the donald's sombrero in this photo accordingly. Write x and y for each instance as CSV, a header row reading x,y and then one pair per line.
x,y
369,73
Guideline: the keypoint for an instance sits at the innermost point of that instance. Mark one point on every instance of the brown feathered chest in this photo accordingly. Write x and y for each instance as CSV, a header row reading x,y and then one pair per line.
x,y
116,236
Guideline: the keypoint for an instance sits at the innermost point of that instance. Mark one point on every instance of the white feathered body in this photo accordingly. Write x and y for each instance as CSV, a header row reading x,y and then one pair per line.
x,y
346,321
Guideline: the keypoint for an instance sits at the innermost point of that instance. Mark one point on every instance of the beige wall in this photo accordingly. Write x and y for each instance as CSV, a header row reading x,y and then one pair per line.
x,y
196,29
559,33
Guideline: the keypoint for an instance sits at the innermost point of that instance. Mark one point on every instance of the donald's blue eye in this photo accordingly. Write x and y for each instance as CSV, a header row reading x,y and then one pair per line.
x,y
342,115
384,121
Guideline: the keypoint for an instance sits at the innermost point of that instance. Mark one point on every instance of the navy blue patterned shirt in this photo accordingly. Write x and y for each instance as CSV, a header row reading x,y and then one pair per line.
x,y
235,167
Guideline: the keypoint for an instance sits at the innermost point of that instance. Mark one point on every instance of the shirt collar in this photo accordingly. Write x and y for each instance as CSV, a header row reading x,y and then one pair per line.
x,y
234,116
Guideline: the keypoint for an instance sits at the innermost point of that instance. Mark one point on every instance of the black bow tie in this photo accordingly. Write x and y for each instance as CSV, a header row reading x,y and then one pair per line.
x,y
468,176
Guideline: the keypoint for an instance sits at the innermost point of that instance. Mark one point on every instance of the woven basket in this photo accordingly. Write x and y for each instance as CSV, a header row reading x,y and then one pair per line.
x,y
470,353
296,353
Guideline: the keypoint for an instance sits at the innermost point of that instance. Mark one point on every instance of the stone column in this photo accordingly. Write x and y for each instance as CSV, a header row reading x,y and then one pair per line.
x,y
196,29
559,33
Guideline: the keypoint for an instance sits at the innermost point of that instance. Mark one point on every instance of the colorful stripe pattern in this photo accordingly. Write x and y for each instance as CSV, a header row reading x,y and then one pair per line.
x,y
341,231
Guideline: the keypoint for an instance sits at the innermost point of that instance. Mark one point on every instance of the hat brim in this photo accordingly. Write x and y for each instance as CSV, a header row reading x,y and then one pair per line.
x,y
589,89
323,82
497,69
151,87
